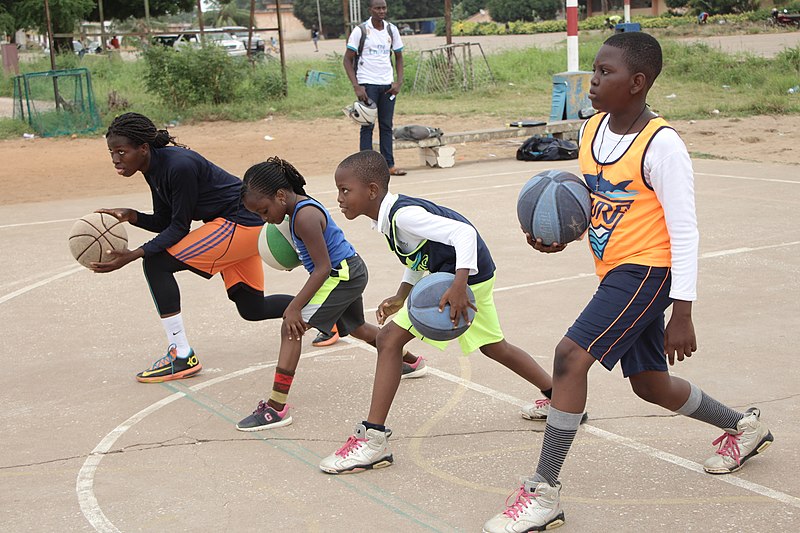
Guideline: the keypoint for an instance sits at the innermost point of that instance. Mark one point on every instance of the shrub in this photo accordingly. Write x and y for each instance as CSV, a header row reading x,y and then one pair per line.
x,y
192,76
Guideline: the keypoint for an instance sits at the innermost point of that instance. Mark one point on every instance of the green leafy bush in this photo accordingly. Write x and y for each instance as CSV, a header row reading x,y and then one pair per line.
x,y
206,75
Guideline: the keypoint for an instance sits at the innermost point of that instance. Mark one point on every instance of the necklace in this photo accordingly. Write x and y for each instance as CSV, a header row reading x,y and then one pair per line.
x,y
599,166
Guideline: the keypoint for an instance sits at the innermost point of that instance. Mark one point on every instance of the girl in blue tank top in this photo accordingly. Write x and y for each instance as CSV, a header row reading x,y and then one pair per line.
x,y
332,295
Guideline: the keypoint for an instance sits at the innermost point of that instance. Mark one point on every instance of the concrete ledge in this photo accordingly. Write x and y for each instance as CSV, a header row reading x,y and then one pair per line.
x,y
567,129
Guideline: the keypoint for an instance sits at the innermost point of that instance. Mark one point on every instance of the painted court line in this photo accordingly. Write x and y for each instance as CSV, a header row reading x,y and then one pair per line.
x,y
28,288
84,486
630,443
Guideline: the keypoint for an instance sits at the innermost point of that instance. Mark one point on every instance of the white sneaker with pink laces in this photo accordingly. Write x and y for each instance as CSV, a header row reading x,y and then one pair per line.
x,y
536,507
367,449
537,410
736,446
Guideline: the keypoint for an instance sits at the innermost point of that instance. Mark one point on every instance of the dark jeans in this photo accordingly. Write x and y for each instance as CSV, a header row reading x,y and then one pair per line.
x,y
378,94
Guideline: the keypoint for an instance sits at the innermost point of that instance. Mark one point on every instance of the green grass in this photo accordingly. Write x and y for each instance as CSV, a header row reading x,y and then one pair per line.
x,y
702,78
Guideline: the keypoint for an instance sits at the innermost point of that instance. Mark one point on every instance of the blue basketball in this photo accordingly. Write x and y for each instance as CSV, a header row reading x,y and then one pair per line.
x,y
554,206
423,308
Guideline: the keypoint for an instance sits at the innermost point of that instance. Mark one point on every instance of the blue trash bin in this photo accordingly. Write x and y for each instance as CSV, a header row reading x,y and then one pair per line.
x,y
627,26
427,26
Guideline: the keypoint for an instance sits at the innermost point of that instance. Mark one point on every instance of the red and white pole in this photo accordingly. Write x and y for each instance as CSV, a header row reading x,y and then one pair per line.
x,y
572,35
627,10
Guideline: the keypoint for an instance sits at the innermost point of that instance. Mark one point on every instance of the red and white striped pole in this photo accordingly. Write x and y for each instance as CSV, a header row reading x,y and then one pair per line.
x,y
572,35
627,10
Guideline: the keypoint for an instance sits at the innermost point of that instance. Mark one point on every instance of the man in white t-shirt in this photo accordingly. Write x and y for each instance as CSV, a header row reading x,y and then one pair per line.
x,y
372,75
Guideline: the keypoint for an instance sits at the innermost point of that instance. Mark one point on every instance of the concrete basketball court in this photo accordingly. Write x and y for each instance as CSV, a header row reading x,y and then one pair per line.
x,y
85,447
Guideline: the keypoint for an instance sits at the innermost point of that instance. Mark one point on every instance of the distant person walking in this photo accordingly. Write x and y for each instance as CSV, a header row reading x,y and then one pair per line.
x,y
368,64
315,37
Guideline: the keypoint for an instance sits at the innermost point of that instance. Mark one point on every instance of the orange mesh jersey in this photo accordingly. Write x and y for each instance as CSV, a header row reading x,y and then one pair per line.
x,y
627,220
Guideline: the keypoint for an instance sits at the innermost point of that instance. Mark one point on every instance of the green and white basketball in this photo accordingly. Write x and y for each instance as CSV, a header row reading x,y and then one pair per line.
x,y
275,246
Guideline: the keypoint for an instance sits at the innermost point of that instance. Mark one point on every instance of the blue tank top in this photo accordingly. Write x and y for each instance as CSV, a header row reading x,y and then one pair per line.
x,y
437,256
338,247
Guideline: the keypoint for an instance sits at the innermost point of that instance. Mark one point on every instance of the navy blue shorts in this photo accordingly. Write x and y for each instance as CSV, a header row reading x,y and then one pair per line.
x,y
624,321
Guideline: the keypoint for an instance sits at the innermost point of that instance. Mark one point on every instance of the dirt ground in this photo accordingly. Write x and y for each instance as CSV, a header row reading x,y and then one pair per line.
x,y
47,169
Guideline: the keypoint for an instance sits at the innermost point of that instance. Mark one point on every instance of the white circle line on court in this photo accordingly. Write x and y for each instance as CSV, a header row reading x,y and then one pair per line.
x,y
84,485
94,514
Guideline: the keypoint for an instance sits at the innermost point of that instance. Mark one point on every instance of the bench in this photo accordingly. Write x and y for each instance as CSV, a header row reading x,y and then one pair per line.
x,y
435,152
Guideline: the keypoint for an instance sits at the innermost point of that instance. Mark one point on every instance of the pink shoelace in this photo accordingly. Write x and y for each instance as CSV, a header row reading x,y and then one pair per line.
x,y
544,402
352,444
729,446
522,499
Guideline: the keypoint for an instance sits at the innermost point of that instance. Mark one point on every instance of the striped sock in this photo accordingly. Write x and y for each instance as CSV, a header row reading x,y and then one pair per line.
x,y
558,436
703,407
280,388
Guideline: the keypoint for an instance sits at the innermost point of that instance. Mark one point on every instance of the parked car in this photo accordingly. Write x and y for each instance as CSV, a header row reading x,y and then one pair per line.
x,y
241,33
234,47
165,40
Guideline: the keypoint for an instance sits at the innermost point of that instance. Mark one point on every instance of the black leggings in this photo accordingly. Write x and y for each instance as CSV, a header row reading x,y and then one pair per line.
x,y
159,271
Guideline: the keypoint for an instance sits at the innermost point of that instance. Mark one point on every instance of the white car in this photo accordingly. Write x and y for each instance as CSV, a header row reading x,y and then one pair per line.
x,y
241,33
233,46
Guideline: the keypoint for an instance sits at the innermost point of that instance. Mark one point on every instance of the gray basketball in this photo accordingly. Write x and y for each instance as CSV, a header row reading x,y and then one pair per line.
x,y
554,206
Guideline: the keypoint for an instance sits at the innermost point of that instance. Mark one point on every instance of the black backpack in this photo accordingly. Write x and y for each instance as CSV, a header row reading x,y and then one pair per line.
x,y
545,148
363,27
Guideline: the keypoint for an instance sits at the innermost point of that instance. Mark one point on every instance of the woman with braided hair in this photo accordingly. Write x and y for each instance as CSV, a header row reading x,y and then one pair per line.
x,y
185,187
332,294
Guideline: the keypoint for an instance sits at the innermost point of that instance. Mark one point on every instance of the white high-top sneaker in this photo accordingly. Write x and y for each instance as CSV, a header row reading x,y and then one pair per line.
x,y
367,449
536,507
736,446
537,410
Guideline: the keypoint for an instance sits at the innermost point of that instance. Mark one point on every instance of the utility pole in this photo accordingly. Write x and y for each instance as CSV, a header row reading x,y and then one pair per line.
x,y
319,19
448,21
345,15
200,20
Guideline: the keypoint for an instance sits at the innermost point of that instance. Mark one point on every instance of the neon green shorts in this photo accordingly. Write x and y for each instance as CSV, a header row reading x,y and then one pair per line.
x,y
485,327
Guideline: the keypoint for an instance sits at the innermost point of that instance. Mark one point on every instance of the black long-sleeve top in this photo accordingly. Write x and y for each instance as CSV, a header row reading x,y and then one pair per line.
x,y
186,187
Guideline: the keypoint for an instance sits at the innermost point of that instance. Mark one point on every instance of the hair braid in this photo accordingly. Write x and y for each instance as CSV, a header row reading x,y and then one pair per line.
x,y
140,130
272,175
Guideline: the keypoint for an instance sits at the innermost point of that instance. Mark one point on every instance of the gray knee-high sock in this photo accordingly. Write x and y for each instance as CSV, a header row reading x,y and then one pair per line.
x,y
558,436
703,407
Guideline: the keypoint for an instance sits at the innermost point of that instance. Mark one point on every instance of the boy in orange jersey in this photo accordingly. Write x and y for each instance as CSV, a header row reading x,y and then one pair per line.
x,y
643,235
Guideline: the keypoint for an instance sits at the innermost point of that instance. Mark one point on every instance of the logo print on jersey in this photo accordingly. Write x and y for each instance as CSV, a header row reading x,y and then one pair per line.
x,y
609,203
418,262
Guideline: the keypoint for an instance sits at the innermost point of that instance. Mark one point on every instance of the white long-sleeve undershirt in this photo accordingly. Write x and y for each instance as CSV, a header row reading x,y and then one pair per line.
x,y
668,170
413,224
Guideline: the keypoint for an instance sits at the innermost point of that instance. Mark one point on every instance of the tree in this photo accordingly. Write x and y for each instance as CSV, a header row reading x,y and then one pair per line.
x,y
331,12
723,7
467,8
64,15
529,10
123,9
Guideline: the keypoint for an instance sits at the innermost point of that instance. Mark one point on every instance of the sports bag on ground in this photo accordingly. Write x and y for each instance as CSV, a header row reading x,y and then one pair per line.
x,y
415,132
544,148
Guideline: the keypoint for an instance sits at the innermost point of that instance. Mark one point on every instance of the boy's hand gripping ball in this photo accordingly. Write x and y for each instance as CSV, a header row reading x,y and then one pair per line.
x,y
423,308
554,206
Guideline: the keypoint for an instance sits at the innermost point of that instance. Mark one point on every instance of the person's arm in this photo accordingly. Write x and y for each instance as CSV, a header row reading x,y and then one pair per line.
x,y
349,57
397,48
184,193
309,225
398,65
668,169
159,220
461,236
392,304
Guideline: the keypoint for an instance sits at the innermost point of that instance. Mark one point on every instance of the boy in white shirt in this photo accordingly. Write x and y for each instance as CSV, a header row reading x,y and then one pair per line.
x,y
368,64
426,237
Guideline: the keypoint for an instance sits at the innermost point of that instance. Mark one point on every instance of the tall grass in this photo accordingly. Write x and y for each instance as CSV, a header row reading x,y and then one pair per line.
x,y
701,78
